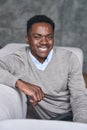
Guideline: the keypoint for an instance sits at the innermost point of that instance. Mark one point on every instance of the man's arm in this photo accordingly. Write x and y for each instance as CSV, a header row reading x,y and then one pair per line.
x,y
9,66
34,92
78,91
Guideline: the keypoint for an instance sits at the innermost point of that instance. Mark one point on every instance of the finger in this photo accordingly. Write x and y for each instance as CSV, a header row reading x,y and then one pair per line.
x,y
40,94
33,102
36,95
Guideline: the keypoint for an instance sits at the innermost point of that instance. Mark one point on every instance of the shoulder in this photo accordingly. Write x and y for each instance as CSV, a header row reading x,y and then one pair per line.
x,y
66,54
67,58
62,52
14,56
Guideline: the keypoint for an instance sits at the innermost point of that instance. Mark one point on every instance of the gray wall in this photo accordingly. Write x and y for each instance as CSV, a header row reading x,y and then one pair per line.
x,y
70,17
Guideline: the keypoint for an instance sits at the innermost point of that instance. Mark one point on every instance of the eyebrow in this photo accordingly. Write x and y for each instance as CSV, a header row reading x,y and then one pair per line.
x,y
42,35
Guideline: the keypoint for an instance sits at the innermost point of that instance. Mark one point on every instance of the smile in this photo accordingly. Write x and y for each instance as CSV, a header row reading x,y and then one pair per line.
x,y
43,48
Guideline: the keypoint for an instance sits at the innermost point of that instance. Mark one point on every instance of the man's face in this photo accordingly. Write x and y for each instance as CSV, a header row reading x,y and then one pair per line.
x,y
41,40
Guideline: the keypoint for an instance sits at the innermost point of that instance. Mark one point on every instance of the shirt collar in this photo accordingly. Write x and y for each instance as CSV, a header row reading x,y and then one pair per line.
x,y
43,65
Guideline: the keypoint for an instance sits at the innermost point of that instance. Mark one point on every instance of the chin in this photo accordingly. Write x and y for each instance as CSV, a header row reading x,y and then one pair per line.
x,y
43,56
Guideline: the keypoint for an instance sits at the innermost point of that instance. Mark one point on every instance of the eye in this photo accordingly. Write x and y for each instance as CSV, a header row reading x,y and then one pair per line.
x,y
36,37
50,37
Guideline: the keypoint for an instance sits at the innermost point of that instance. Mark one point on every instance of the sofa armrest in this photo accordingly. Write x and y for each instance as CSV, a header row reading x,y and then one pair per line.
x,y
12,103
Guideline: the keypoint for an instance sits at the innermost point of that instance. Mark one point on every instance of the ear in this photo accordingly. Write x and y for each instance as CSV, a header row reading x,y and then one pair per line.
x,y
27,39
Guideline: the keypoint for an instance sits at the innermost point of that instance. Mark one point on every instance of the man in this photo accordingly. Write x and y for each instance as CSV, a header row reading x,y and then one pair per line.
x,y
50,77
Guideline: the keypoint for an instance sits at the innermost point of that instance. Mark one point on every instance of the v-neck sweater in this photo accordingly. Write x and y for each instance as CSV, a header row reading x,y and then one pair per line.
x,y
61,81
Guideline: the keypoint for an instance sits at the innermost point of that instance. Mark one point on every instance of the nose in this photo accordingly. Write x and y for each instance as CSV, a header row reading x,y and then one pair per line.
x,y
44,40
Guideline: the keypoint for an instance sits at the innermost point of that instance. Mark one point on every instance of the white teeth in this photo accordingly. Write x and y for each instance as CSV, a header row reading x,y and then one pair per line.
x,y
43,49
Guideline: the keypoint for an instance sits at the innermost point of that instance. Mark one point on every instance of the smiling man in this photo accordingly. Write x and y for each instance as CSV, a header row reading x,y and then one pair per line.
x,y
41,39
50,77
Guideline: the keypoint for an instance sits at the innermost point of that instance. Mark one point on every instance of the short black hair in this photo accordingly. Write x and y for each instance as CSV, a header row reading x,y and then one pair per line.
x,y
39,18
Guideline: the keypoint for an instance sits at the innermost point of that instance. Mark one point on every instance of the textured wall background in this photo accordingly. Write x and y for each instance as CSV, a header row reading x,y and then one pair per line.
x,y
70,17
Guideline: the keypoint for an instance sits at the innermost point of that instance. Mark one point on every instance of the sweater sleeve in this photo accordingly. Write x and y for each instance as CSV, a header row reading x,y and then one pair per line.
x,y
78,91
9,67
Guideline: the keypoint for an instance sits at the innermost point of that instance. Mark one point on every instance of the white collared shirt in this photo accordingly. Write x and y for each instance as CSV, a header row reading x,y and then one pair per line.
x,y
41,66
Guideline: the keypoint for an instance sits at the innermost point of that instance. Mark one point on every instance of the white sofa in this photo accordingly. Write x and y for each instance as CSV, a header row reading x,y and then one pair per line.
x,y
29,124
17,107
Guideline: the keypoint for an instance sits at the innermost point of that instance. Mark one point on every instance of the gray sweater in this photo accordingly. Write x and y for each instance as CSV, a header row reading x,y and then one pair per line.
x,y
61,81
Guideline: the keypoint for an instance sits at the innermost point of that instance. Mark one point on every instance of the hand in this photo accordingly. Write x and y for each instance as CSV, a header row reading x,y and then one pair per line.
x,y
33,91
